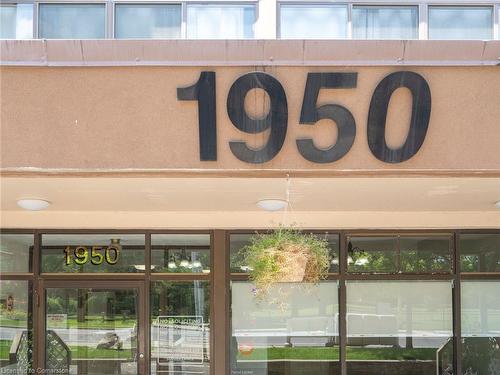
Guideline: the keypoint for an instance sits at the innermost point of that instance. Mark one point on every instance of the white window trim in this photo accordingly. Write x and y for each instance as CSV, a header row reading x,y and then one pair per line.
x,y
481,4
267,12
423,12
254,3
114,3
332,3
36,13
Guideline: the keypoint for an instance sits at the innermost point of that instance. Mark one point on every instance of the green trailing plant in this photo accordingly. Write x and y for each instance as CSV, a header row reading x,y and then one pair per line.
x,y
286,255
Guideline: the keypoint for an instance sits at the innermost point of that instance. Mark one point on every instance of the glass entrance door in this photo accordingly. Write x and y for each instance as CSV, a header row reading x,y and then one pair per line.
x,y
93,328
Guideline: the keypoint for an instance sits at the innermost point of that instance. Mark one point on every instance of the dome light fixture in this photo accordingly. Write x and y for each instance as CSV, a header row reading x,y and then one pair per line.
x,y
497,204
272,204
33,204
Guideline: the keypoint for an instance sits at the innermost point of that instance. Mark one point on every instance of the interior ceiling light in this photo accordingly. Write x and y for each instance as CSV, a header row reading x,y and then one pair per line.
x,y
33,204
497,204
272,204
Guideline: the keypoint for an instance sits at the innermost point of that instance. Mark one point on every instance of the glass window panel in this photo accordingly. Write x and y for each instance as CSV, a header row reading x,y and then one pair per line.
x,y
180,327
387,22
460,22
239,241
399,327
99,253
16,21
313,21
91,331
480,252
180,253
294,330
220,21
16,252
480,327
425,254
155,21
372,254
72,21
16,339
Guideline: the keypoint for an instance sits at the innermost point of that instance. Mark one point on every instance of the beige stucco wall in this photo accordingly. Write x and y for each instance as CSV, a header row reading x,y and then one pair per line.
x,y
89,118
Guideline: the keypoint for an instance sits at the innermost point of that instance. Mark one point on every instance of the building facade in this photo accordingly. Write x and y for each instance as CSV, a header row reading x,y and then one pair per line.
x,y
145,143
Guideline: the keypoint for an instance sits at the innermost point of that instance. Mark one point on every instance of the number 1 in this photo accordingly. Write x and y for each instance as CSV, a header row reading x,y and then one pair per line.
x,y
204,92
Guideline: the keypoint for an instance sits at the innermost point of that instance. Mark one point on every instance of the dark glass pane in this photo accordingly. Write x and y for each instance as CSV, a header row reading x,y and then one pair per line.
x,y
16,335
180,253
399,327
372,254
480,252
180,327
480,327
294,330
239,241
98,253
91,331
425,254
16,252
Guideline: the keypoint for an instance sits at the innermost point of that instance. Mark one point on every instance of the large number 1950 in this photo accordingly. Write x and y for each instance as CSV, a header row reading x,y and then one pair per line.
x,y
277,118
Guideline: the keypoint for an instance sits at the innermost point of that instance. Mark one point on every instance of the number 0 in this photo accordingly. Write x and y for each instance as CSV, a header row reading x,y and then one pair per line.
x,y
420,115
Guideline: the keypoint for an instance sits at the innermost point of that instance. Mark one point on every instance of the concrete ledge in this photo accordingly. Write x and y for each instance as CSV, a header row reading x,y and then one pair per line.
x,y
248,52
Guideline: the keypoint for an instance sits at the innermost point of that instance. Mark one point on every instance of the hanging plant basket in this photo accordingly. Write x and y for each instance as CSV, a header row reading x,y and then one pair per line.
x,y
286,256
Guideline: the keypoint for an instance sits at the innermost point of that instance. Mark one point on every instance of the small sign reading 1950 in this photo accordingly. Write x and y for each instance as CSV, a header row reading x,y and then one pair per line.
x,y
81,255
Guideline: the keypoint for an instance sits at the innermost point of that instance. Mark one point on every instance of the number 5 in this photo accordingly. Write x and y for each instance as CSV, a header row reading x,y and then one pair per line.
x,y
344,119
95,254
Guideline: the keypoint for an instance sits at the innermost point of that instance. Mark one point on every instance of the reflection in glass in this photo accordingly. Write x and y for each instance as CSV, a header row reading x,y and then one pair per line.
x,y
480,252
425,254
219,21
313,21
16,252
480,327
16,21
92,253
412,254
16,335
239,241
399,327
180,327
180,253
372,254
460,22
154,21
386,22
91,331
293,331
72,21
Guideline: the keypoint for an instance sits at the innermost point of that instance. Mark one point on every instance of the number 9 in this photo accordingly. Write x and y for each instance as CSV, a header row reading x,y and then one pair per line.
x,y
276,119
81,255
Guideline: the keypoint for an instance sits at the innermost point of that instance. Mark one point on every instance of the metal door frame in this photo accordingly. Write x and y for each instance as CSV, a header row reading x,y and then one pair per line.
x,y
142,318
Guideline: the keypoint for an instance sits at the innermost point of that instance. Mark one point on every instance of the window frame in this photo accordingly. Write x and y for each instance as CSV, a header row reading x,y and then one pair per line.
x,y
492,6
416,6
270,28
36,14
422,12
187,3
332,4
151,2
